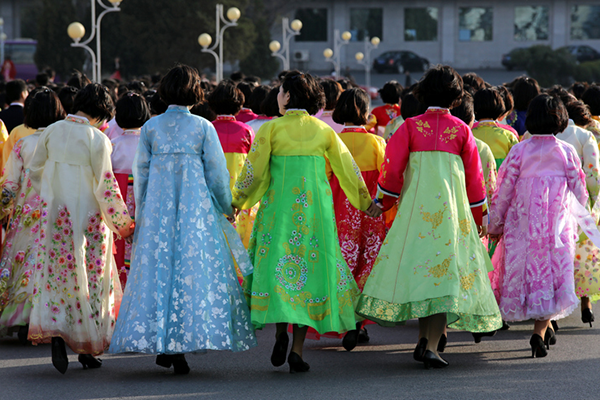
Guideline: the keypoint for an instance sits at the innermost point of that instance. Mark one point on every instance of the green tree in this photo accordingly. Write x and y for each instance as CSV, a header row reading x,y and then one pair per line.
x,y
549,67
54,45
260,62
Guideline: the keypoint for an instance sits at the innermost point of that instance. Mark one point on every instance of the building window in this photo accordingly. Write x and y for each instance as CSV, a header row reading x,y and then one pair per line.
x,y
366,22
584,22
421,24
314,24
475,24
531,23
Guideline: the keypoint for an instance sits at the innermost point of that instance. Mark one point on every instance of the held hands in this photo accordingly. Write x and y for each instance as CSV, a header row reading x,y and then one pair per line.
x,y
231,218
483,231
374,210
127,232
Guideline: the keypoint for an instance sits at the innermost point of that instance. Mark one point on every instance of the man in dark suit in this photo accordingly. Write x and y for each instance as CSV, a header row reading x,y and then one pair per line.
x,y
16,93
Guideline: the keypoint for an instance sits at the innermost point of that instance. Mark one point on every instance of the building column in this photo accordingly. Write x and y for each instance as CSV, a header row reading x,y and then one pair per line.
x,y
449,26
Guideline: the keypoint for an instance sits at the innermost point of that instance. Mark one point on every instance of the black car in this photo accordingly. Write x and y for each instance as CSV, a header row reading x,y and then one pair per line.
x,y
400,61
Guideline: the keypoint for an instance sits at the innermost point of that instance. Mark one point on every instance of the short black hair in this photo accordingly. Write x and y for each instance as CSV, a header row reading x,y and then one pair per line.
x,y
346,83
138,87
305,92
14,89
352,106
253,80
257,97
411,107
579,113
559,91
465,110
488,104
67,97
269,106
42,79
78,79
203,110
247,89
95,101
157,106
578,88
226,99
440,87
44,109
546,115
524,90
332,91
237,76
390,92
181,86
473,80
132,111
507,98
591,97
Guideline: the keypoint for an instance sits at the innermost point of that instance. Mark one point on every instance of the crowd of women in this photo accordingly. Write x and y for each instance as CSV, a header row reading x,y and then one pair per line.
x,y
199,213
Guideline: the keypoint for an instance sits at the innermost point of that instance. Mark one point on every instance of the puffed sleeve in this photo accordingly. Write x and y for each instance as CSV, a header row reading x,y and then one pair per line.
x,y
391,173
107,193
575,176
473,173
505,191
11,179
38,161
347,172
255,178
380,146
591,168
141,169
3,138
215,170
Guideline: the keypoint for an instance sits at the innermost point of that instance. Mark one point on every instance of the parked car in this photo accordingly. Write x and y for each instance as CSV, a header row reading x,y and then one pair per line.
x,y
582,53
400,61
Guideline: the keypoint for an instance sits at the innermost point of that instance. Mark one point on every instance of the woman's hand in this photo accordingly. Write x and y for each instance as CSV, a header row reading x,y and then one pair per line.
x,y
374,210
127,232
483,231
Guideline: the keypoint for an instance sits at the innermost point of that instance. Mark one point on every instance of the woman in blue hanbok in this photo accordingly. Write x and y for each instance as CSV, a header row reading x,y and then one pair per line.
x,y
182,293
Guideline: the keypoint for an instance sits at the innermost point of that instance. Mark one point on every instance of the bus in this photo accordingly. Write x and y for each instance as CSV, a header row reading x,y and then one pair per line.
x,y
21,53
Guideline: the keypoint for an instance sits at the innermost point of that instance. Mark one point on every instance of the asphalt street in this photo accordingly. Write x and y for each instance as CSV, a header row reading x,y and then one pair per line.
x,y
497,368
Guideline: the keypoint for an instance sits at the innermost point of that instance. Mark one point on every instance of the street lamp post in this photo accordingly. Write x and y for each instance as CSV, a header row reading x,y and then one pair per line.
x,y
2,39
76,32
289,30
333,56
233,14
365,58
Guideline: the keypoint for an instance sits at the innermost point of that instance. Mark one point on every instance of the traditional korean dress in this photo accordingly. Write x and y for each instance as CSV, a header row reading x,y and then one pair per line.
x,y
384,114
256,123
300,276
124,147
18,132
327,117
488,165
245,115
236,138
534,207
392,127
22,204
182,293
500,140
432,260
517,120
77,292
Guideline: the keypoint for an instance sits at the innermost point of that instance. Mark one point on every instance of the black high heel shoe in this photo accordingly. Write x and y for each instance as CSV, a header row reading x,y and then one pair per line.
x,y
537,346
180,365
554,326
351,338
549,338
420,349
297,364
478,335
89,361
442,344
59,355
164,360
431,360
587,316
363,336
280,349
22,335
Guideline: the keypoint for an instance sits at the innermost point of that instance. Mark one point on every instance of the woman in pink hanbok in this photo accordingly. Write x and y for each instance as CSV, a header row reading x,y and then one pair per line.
x,y
538,203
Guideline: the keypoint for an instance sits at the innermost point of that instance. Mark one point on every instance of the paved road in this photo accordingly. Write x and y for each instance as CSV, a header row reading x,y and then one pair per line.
x,y
498,368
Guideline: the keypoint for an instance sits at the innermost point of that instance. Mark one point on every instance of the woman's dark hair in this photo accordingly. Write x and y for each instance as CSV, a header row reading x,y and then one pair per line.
x,y
157,106
559,91
203,110
138,87
332,91
441,87
391,92
579,113
488,104
411,107
78,80
132,111
246,88
507,99
591,97
95,101
44,109
305,92
546,115
352,106
345,83
29,99
269,106
226,99
474,80
181,86
524,90
257,97
578,88
66,96
465,111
